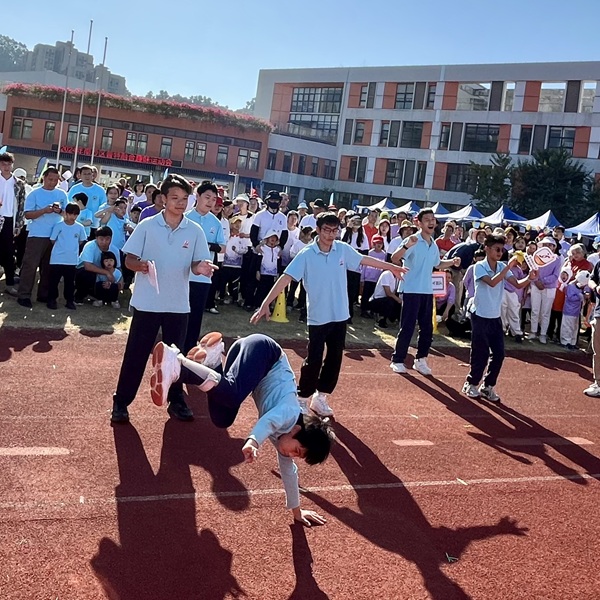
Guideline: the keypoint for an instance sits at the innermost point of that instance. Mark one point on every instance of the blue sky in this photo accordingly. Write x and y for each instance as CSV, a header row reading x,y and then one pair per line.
x,y
217,48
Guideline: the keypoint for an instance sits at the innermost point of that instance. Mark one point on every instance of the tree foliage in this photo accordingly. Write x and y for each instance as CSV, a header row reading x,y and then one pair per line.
x,y
195,100
12,54
551,180
249,108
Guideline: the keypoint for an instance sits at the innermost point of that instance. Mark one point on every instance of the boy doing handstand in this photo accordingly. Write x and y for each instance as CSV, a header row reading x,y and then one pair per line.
x,y
254,365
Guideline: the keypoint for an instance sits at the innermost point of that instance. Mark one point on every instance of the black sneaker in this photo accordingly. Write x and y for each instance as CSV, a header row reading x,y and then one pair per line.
x,y
24,302
181,411
70,306
519,339
119,414
382,323
52,305
41,299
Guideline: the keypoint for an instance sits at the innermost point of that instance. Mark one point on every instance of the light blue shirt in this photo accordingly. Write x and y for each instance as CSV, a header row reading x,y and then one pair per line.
x,y
278,410
117,226
213,230
86,215
487,301
116,274
173,252
41,198
325,281
91,253
421,259
66,238
96,197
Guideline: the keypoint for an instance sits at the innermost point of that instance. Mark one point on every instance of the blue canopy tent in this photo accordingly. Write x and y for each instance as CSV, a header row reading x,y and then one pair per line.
x,y
410,207
589,228
503,215
385,204
439,209
467,213
546,220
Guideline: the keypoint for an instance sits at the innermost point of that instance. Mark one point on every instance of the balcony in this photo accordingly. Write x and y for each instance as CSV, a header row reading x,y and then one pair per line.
x,y
305,133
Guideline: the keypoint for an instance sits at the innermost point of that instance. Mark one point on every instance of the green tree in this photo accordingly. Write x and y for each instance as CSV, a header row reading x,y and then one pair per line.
x,y
12,54
493,182
554,181
249,108
195,100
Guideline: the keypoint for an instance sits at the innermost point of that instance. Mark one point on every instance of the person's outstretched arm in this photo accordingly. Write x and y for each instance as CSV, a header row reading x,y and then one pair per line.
x,y
263,310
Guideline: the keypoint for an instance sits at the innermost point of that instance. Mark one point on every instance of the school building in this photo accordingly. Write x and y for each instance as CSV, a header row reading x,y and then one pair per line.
x,y
409,133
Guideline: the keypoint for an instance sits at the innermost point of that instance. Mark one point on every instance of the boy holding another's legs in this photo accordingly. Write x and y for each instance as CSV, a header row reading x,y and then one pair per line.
x,y
487,335
254,365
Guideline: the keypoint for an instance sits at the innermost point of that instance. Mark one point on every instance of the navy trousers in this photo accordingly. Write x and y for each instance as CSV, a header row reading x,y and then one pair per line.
x,y
416,308
487,337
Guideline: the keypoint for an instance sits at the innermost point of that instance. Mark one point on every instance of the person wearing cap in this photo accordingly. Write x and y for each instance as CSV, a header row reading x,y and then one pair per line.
x,y
370,225
318,207
21,175
594,257
270,252
12,220
200,284
268,219
569,327
542,293
564,277
421,255
95,193
242,202
302,210
322,266
405,229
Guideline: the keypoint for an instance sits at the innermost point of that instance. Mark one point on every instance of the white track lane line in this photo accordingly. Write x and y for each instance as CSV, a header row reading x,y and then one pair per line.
x,y
33,451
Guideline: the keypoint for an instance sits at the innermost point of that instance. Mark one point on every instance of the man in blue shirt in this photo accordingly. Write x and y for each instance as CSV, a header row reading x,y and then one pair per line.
x,y
95,193
255,365
322,266
44,207
487,334
206,196
421,256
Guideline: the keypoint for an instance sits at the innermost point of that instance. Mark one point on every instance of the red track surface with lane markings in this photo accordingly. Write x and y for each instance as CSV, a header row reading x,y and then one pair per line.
x,y
428,494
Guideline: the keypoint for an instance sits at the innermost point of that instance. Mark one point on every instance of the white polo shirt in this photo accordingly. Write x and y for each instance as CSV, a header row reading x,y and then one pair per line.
x,y
7,197
324,277
173,252
267,221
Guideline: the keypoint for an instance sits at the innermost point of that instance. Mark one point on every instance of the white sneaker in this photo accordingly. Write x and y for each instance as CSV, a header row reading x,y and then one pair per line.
x,y
97,303
319,405
166,371
470,390
543,339
421,366
213,344
532,336
593,390
398,368
213,311
303,402
489,393
227,301
115,304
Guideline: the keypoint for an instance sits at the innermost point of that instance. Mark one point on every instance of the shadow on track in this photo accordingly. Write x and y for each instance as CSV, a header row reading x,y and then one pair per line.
x,y
306,586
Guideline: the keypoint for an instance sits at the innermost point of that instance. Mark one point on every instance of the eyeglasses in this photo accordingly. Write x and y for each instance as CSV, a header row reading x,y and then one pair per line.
x,y
329,230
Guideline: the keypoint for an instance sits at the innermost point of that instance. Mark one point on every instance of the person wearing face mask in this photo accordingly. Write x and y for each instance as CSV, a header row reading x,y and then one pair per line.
x,y
268,219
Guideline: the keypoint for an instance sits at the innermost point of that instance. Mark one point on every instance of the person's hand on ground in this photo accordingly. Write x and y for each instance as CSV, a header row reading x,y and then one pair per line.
x,y
263,311
308,517
250,451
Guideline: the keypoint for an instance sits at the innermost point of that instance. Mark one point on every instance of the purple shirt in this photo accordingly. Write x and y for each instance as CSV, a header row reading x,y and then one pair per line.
x,y
449,298
372,273
517,273
469,281
149,211
573,301
548,275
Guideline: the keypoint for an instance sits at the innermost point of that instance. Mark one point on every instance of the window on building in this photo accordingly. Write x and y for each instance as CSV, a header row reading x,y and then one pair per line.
x,y
562,137
200,153
421,173
130,143
552,97
165,147
525,139
409,173
272,159
412,132
253,160
394,134
287,162
445,136
49,132
459,179
17,127
384,134
481,138
21,129
314,168
367,95
473,96
317,100
301,164
329,168
405,93
190,148
588,94
508,99
431,90
394,172
348,127
107,139
358,169
359,132
242,161
84,136
71,135
222,155
353,167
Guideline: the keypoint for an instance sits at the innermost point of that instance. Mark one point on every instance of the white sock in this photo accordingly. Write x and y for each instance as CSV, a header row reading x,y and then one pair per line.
x,y
201,370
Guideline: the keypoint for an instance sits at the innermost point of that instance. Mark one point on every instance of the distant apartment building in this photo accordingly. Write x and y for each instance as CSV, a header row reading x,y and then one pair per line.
x,y
409,133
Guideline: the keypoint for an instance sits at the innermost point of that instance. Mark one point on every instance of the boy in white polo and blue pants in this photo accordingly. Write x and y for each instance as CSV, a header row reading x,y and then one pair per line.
x,y
322,267
487,334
